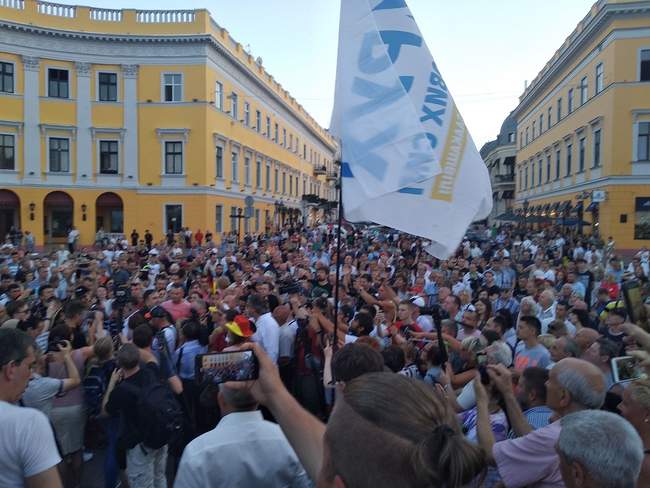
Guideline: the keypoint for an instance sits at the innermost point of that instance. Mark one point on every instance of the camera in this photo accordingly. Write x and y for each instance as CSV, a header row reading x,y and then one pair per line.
x,y
290,288
122,295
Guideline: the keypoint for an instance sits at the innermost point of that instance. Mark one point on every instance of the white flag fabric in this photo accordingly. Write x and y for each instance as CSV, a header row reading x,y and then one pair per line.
x,y
408,161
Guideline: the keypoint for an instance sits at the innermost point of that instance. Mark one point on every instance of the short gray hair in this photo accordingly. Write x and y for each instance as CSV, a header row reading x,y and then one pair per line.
x,y
580,389
604,444
237,399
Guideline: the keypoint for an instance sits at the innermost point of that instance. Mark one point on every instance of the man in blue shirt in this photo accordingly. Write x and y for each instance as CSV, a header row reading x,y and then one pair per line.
x,y
531,394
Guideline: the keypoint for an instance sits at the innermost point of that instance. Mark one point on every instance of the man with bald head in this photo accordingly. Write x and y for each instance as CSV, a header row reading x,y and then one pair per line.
x,y
585,338
531,459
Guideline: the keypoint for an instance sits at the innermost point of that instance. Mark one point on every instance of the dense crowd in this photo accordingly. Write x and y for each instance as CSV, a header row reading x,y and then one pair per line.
x,y
495,367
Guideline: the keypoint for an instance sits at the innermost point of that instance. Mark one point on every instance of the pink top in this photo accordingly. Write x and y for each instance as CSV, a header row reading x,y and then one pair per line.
x,y
178,310
58,370
531,460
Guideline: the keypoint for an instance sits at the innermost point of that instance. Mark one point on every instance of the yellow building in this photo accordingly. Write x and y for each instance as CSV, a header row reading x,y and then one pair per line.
x,y
131,119
584,128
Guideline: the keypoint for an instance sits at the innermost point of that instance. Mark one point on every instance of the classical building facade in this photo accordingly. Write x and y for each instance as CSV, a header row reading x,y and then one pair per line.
x,y
583,128
499,156
132,119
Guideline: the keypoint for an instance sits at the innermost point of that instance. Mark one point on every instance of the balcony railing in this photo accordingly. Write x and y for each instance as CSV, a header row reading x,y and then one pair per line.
x,y
17,4
56,9
105,15
320,170
332,176
165,16
504,178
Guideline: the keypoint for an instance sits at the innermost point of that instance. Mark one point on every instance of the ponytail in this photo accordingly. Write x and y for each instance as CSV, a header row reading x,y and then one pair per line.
x,y
446,458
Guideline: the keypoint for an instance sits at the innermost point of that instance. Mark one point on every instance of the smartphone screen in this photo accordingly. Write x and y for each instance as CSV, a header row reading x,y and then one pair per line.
x,y
633,300
221,367
626,368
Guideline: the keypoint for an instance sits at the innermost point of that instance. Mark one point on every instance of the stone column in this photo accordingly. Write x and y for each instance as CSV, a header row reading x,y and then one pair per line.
x,y
85,169
31,118
130,165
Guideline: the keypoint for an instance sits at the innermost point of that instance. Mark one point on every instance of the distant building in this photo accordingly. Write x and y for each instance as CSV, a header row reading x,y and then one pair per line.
x,y
499,156
147,119
583,129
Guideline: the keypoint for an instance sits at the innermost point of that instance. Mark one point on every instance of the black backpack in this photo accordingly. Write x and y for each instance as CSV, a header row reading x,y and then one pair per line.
x,y
160,417
95,384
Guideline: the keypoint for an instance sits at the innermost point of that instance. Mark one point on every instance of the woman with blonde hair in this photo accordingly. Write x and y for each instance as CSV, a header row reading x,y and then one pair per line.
x,y
635,407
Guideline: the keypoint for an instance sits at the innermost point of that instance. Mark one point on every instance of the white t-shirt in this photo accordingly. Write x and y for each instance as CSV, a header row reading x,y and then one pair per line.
x,y
287,339
27,445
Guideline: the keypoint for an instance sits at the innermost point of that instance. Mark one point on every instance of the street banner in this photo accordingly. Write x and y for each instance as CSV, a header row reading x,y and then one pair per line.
x,y
408,161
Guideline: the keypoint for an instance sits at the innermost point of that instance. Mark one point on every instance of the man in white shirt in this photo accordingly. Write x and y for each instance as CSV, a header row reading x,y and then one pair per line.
x,y
268,330
28,453
242,450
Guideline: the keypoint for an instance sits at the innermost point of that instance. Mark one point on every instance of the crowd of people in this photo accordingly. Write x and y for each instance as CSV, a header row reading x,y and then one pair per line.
x,y
491,368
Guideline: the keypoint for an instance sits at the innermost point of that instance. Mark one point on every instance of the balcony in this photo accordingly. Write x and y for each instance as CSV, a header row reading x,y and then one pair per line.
x,y
332,176
320,170
503,182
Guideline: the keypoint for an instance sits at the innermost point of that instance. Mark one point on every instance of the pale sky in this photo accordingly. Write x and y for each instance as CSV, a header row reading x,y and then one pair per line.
x,y
485,49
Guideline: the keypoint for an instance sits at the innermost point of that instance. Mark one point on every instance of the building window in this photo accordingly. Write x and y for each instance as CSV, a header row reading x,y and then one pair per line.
x,y
218,218
59,155
581,155
548,118
6,77
304,186
569,149
258,120
268,177
235,166
267,218
284,137
268,127
247,114
234,221
108,157
644,65
290,185
258,173
643,142
532,174
173,158
558,163
304,151
569,101
7,152
541,124
597,148
276,133
218,95
539,172
527,138
247,170
511,137
247,225
642,221
173,87
173,218
584,92
534,125
559,110
548,168
600,78
219,161
526,178
275,179
107,87
57,83
257,220
291,141
234,105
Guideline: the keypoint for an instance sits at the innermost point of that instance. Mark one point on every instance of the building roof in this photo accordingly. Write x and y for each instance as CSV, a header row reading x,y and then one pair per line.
x,y
509,126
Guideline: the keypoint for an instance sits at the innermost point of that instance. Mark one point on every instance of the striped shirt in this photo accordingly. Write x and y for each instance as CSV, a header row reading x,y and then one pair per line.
x,y
537,417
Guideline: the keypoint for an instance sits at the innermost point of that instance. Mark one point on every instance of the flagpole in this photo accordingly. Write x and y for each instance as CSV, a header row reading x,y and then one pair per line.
x,y
339,187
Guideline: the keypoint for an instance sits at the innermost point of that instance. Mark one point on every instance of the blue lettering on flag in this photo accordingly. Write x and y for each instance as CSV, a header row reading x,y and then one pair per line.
x,y
396,39
390,4
411,191
378,95
371,162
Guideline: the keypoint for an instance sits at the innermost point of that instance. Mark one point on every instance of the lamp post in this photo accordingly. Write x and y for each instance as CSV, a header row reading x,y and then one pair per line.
x,y
239,215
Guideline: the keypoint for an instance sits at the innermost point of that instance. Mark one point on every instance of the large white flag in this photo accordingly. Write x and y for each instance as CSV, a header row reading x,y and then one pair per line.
x,y
408,160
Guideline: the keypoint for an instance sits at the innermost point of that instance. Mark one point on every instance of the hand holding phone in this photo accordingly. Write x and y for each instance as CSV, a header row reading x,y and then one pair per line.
x,y
626,368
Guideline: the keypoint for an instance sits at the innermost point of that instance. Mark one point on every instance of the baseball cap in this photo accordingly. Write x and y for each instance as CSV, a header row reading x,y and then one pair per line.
x,y
538,274
154,252
240,326
418,301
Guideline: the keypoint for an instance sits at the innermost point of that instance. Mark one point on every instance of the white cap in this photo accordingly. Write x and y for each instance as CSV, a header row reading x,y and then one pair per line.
x,y
538,274
418,301
154,252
